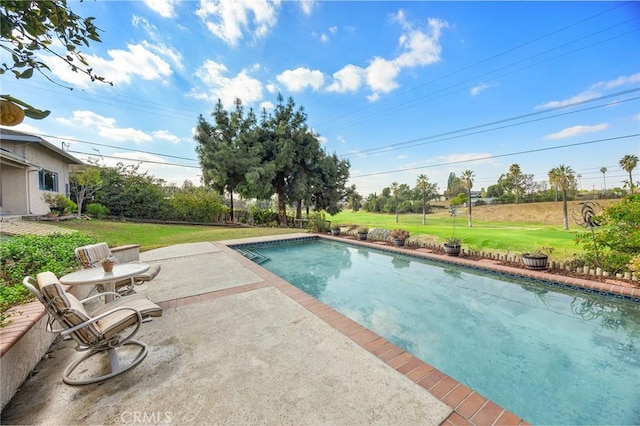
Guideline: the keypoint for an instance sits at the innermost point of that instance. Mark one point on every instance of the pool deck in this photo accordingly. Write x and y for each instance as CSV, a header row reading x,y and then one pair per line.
x,y
237,344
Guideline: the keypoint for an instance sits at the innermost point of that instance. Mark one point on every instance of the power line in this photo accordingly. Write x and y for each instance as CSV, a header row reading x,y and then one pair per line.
x,y
489,157
135,160
405,144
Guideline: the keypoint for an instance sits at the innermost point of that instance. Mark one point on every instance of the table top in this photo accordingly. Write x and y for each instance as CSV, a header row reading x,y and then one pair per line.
x,y
98,275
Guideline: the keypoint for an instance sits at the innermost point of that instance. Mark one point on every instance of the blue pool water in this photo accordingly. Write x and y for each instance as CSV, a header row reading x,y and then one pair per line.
x,y
548,354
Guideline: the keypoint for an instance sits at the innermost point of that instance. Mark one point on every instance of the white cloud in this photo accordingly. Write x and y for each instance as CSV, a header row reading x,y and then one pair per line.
x,y
570,132
637,116
269,106
348,79
301,78
307,6
169,52
324,38
475,90
272,88
595,90
165,8
106,127
323,140
402,157
231,18
419,47
227,89
333,29
165,135
150,29
136,61
381,75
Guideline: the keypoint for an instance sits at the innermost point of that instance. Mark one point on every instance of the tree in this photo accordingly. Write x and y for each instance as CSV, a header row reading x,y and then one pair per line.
x,y
628,163
85,183
516,175
453,186
30,27
394,191
423,184
224,149
466,179
603,170
564,178
354,199
328,183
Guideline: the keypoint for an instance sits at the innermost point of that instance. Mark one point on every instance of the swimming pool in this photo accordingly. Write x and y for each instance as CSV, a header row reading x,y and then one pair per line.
x,y
546,353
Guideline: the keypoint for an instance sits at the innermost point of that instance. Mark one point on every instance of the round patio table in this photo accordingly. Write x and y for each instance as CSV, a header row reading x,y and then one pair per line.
x,y
93,276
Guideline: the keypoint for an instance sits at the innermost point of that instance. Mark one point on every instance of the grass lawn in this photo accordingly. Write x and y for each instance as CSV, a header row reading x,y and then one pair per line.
x,y
494,236
151,236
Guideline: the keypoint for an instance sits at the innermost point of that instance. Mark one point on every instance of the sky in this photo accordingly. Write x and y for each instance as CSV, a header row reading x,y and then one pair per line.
x,y
399,89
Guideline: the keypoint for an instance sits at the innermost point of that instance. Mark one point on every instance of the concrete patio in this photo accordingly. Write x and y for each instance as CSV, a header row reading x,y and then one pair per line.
x,y
235,345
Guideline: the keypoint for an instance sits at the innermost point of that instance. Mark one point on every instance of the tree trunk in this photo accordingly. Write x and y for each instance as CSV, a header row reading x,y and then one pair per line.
x,y
424,211
299,209
282,209
231,203
565,215
470,224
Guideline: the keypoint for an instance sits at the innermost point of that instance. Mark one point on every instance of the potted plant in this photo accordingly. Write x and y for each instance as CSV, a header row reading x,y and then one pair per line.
x,y
399,236
362,231
335,230
538,259
452,246
108,263
58,202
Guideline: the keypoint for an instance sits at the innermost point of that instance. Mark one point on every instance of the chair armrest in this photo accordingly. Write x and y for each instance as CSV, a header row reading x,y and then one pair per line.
x,y
101,316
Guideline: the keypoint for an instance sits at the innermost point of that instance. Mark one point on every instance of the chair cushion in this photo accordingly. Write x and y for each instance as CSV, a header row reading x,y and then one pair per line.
x,y
118,321
154,269
67,308
90,256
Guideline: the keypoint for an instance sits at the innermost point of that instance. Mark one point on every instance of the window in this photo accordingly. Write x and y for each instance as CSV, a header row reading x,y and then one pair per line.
x,y
48,181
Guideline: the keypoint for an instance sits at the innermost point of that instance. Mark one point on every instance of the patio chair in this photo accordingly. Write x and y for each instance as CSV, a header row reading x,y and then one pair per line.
x,y
104,331
91,255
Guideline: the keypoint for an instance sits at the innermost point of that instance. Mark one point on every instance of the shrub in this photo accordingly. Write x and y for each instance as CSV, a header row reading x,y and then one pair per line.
x,y
318,222
263,216
97,210
58,202
30,255
400,234
613,245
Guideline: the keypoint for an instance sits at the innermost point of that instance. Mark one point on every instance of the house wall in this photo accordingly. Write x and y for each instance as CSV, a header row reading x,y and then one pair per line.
x,y
48,160
14,189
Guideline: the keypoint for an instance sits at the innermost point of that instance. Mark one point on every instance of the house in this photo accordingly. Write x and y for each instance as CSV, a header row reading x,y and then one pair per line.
x,y
29,167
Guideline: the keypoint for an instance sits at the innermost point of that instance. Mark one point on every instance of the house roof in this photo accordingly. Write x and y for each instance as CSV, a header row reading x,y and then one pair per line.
x,y
15,136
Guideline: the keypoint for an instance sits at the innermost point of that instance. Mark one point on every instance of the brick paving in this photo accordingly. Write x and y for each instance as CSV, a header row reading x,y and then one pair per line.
x,y
27,227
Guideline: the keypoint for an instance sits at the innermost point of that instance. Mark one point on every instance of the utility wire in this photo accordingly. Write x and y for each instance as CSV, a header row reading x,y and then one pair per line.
x,y
489,157
136,160
412,142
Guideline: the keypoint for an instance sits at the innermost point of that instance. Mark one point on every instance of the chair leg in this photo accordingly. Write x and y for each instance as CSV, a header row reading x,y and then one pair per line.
x,y
114,364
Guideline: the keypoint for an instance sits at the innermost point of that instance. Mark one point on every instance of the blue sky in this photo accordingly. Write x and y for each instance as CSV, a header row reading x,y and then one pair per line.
x,y
398,88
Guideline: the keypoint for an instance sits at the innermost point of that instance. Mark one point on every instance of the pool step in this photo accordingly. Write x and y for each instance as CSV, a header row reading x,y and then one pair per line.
x,y
253,255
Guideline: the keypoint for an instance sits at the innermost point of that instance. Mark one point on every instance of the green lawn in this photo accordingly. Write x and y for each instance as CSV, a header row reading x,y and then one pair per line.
x,y
151,236
503,237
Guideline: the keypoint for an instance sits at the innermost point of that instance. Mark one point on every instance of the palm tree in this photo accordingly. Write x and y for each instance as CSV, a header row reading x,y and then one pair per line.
x,y
467,181
394,191
564,178
603,170
516,175
628,163
422,183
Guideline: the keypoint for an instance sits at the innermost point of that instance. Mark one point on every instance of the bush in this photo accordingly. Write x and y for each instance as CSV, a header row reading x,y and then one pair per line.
x,y
60,203
30,255
318,222
263,216
614,245
97,210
